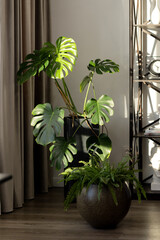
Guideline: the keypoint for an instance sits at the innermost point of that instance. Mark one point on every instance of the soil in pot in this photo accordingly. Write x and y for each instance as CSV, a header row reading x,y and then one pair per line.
x,y
103,212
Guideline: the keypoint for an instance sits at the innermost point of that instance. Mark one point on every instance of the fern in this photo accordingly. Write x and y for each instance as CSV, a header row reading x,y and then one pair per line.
x,y
101,174
74,190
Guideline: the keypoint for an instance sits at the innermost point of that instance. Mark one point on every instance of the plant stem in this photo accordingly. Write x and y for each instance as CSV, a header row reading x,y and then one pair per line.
x,y
65,98
69,95
85,119
64,85
78,127
94,92
91,127
85,100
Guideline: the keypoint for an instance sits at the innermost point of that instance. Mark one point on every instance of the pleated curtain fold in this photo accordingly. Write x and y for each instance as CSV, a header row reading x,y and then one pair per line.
x,y
24,26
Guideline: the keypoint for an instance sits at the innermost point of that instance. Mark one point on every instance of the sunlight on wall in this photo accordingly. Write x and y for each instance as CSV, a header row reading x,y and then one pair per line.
x,y
125,108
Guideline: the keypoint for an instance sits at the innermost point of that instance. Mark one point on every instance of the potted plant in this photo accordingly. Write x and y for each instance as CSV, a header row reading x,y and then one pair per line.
x,y
102,190
56,61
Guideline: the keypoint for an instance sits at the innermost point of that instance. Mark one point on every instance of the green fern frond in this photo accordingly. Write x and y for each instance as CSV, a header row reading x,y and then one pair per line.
x,y
74,190
102,174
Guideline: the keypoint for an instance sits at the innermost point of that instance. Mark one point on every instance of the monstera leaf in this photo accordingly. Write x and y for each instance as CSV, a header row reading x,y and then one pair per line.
x,y
66,53
36,62
56,61
47,123
62,151
100,67
101,146
85,82
98,110
105,66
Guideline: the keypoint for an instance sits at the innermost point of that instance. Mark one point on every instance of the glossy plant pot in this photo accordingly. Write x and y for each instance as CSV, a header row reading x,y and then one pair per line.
x,y
81,135
103,212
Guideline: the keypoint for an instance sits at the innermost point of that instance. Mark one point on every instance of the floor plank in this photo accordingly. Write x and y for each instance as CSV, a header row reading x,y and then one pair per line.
x,y
44,218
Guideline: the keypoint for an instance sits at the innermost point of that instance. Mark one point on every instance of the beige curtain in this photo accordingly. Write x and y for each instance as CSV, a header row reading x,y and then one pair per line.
x,y
24,26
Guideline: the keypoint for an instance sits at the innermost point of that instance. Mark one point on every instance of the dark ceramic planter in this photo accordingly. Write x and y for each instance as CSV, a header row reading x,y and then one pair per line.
x,y
103,213
80,136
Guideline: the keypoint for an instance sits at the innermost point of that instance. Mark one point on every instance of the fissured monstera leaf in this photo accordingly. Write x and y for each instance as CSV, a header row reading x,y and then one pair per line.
x,y
105,66
66,53
98,110
36,62
101,146
47,123
56,61
100,67
62,151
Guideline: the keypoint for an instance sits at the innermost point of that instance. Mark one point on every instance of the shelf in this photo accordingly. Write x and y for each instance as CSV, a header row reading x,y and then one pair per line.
x,y
142,79
142,135
149,83
149,26
147,80
151,195
154,195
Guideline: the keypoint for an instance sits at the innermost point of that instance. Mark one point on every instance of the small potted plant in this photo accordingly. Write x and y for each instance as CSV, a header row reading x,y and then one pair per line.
x,y
56,61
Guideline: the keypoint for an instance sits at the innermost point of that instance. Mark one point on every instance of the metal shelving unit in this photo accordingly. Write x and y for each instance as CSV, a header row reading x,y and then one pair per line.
x,y
140,28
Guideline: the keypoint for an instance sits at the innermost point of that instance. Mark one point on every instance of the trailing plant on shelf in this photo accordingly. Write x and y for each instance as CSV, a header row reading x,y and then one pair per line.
x,y
56,61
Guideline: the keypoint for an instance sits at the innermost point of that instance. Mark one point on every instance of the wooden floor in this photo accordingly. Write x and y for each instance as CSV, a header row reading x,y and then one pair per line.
x,y
45,219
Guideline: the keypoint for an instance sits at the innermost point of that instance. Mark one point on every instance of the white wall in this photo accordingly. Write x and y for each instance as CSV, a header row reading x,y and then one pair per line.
x,y
100,30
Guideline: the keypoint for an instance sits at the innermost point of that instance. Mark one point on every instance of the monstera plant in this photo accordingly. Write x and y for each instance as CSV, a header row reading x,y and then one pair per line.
x,y
57,61
103,196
